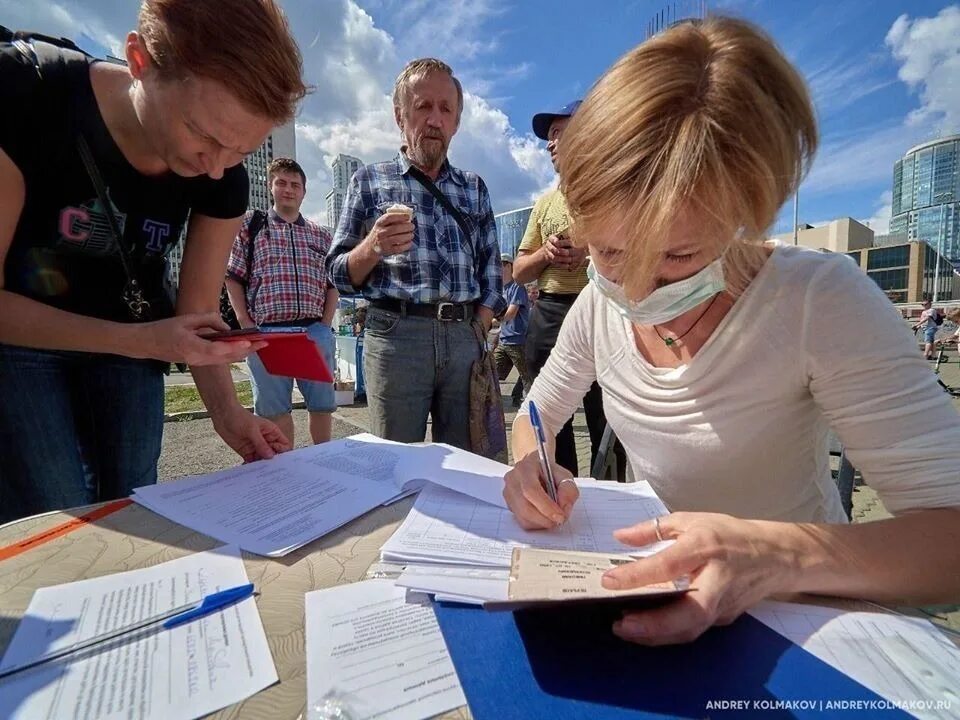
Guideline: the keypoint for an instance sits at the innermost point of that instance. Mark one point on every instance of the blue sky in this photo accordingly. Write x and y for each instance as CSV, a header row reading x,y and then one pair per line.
x,y
883,74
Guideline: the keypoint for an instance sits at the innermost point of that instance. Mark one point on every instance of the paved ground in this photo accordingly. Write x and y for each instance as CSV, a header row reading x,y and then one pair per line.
x,y
191,447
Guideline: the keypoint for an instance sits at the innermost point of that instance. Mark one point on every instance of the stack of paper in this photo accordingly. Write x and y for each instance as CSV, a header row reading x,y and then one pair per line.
x,y
459,548
184,672
374,653
275,506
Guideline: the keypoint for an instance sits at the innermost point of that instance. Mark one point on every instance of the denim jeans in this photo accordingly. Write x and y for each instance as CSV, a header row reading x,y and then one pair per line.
x,y
415,366
75,428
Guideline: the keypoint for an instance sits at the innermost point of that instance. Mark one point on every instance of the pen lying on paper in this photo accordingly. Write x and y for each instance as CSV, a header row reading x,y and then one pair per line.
x,y
169,619
537,424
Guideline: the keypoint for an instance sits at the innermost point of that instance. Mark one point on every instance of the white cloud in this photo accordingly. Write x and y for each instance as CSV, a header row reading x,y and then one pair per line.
x,y
67,19
353,113
849,161
837,84
451,29
352,63
879,222
929,52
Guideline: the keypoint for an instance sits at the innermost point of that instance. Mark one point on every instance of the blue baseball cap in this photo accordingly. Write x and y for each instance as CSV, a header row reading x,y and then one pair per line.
x,y
541,121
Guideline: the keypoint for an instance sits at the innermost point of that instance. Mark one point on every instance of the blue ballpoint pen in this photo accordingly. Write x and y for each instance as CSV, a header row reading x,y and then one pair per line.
x,y
537,424
169,619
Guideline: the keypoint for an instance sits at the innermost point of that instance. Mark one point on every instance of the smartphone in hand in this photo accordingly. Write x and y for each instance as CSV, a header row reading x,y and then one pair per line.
x,y
255,334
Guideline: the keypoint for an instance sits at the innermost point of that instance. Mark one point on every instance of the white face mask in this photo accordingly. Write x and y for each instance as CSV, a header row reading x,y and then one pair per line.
x,y
665,303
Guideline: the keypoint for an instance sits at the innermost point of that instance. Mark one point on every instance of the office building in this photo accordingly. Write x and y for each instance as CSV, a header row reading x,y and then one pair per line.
x,y
510,228
342,169
926,195
840,235
334,206
908,273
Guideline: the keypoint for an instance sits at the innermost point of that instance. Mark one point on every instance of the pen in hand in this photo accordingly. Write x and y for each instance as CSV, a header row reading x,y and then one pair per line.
x,y
549,482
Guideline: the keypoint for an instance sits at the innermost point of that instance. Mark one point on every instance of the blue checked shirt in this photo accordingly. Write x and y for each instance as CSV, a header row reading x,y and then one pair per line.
x,y
442,265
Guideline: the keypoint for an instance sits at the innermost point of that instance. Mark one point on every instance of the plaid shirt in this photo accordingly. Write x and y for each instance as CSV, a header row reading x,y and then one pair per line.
x,y
288,280
442,266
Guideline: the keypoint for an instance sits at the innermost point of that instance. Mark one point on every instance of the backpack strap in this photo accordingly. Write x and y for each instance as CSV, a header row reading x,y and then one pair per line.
x,y
53,58
257,222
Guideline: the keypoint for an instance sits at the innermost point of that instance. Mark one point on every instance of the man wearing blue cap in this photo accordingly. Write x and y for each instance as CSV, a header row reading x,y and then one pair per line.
x,y
547,255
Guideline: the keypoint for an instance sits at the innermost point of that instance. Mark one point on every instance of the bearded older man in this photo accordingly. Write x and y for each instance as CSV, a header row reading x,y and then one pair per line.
x,y
417,238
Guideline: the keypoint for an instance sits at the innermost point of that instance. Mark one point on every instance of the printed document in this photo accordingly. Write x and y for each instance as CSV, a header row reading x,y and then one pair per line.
x,y
373,654
273,507
903,659
185,672
451,528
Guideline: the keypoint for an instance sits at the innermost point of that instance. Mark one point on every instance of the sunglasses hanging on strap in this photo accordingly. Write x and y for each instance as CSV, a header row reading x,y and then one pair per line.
x,y
138,306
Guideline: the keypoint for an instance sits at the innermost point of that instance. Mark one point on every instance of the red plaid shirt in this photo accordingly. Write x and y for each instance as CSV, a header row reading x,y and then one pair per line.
x,y
288,280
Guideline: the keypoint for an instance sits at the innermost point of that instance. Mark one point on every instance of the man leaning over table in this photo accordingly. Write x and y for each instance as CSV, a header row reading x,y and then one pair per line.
x,y
428,281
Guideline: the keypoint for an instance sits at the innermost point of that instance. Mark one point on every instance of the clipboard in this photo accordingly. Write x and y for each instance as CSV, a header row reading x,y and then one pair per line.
x,y
289,353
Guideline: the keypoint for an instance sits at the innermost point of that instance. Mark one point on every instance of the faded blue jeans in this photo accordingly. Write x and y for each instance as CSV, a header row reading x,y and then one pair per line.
x,y
415,366
75,428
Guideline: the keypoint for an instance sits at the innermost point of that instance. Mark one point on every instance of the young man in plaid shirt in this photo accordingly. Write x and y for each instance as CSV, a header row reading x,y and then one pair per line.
x,y
429,281
281,280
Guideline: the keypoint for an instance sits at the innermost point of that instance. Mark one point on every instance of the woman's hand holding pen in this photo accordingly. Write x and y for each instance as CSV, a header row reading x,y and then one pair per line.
x,y
528,500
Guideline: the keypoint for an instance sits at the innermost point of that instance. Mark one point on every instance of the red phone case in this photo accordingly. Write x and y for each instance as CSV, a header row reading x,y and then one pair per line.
x,y
289,355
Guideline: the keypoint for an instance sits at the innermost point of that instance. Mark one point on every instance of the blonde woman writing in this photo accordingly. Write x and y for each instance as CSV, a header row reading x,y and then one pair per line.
x,y
724,361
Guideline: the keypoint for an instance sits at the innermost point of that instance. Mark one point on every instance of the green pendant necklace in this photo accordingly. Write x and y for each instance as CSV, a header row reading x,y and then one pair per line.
x,y
671,341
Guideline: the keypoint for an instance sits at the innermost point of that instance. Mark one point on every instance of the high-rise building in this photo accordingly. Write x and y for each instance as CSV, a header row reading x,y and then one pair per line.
x,y
926,195
334,206
282,142
343,167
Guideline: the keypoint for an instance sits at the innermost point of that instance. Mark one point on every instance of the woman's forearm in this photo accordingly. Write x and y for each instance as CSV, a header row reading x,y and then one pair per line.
x,y
911,559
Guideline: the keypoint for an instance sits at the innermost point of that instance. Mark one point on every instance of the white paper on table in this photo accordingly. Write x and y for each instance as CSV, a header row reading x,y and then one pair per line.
x,y
902,659
456,469
474,585
273,507
370,654
185,672
446,527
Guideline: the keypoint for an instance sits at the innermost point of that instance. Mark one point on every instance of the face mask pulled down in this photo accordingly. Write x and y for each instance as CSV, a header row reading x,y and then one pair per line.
x,y
665,303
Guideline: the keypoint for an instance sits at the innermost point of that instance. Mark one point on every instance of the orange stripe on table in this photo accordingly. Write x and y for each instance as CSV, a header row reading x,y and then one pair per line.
x,y
53,533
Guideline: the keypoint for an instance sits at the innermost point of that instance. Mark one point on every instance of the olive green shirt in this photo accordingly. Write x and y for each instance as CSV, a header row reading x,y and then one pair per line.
x,y
551,217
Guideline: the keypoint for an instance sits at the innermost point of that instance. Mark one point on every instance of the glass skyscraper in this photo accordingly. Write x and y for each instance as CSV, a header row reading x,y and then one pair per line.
x,y
926,195
510,228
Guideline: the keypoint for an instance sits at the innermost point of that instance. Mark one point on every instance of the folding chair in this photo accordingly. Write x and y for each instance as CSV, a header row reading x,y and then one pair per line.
x,y
608,466
843,475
